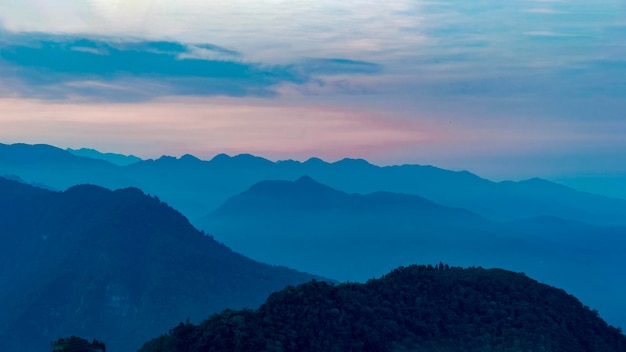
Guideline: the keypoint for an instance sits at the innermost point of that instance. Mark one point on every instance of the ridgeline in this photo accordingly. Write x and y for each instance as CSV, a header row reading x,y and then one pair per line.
x,y
416,308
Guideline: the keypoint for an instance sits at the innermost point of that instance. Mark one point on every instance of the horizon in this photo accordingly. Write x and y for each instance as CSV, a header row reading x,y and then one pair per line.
x,y
508,91
605,186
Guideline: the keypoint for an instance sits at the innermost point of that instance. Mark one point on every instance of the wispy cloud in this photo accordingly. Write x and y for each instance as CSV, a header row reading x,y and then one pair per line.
x,y
550,34
61,66
545,11
338,66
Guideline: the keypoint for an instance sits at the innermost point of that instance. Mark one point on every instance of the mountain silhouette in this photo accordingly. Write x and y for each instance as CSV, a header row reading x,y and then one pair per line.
x,y
117,159
59,169
417,308
118,266
196,187
611,185
307,225
312,227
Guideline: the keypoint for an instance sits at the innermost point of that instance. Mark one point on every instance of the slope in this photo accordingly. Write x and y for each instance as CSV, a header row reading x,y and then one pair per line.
x,y
417,308
58,168
117,159
310,226
314,228
117,265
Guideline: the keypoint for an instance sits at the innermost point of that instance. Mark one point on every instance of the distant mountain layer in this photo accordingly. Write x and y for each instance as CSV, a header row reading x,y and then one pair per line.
x,y
613,185
118,266
306,224
197,187
312,227
117,159
58,168
416,308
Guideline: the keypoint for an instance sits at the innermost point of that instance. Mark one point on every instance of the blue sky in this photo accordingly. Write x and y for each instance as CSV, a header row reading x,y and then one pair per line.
x,y
505,89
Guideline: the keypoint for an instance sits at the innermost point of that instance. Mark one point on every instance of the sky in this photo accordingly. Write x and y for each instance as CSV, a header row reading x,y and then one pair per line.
x,y
506,89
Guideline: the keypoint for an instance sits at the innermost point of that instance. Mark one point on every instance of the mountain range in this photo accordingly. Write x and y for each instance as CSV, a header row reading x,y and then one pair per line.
x,y
412,213
117,159
306,224
196,187
119,266
353,237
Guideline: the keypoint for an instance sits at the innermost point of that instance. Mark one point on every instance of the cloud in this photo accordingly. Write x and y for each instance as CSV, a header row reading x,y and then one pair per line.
x,y
62,66
545,11
338,66
550,34
209,52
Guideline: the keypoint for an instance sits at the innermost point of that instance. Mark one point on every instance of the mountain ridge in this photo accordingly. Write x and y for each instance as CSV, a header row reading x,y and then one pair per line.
x,y
269,219
359,236
119,266
113,158
196,187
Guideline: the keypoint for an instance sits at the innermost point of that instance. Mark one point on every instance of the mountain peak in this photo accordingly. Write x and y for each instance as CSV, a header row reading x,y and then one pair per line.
x,y
220,157
134,263
88,188
349,162
307,180
251,158
113,158
190,159
239,161
27,153
315,161
166,158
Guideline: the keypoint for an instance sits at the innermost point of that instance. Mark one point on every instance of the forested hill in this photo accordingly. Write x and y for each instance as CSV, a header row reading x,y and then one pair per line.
x,y
118,266
417,308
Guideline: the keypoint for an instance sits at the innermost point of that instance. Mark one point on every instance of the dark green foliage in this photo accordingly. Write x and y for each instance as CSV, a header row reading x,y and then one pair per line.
x,y
417,308
77,344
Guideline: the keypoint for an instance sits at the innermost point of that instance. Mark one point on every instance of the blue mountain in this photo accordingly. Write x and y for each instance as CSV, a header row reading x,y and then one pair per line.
x,y
312,227
113,158
197,187
117,266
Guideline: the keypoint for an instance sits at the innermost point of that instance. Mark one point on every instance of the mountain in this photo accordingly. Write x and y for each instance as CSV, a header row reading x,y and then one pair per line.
x,y
118,266
207,184
197,187
59,169
19,179
117,159
312,227
610,185
417,308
